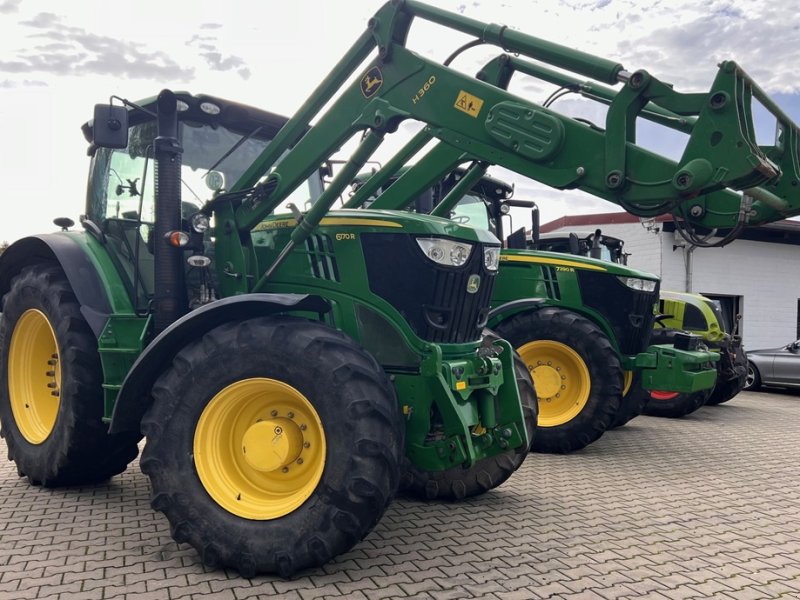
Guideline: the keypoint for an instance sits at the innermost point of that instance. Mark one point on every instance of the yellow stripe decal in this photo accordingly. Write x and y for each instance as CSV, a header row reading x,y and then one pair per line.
x,y
327,221
550,261
355,221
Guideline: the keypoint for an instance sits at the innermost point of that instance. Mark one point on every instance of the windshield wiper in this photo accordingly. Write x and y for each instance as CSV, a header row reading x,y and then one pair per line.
x,y
233,149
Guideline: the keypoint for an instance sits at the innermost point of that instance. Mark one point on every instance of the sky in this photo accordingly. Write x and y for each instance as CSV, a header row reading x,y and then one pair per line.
x,y
58,59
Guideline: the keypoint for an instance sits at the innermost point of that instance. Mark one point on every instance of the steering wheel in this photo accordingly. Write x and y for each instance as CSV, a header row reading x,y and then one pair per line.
x,y
462,219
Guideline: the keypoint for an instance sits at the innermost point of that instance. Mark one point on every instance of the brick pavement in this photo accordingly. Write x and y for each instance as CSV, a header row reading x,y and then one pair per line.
x,y
703,507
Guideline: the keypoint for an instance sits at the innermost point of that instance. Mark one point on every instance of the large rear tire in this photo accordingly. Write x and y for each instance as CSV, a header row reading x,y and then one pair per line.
x,y
273,445
576,372
458,483
51,395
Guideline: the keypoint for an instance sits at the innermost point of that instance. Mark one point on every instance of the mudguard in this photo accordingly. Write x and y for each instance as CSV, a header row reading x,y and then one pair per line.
x,y
513,307
76,264
134,397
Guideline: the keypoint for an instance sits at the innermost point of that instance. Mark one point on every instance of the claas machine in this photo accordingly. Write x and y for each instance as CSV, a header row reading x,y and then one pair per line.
x,y
288,370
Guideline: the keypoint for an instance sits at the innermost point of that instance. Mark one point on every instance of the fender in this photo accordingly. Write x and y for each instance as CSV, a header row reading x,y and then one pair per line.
x,y
134,397
76,264
513,307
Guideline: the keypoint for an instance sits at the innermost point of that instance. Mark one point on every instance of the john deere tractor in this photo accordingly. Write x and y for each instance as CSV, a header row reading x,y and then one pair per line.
x,y
580,324
677,313
288,369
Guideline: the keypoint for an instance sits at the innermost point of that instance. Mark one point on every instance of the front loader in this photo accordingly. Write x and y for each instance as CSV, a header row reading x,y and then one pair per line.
x,y
288,369
580,324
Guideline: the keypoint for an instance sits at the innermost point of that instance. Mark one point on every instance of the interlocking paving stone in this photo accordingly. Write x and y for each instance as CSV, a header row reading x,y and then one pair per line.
x,y
702,507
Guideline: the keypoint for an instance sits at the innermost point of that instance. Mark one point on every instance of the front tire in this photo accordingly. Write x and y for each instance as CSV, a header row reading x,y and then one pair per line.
x,y
273,445
674,405
729,388
51,395
576,372
488,473
632,403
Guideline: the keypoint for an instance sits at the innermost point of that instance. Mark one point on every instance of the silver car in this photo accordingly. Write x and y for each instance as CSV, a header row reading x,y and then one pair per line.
x,y
779,367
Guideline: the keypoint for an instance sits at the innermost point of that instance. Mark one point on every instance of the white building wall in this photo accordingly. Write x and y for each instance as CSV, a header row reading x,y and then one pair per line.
x,y
765,275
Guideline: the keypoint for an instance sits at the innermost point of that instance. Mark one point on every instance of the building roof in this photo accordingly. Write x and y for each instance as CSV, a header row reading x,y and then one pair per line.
x,y
780,232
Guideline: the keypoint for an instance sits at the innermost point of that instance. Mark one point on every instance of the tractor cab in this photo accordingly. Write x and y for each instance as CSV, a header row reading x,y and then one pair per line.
x,y
220,140
594,244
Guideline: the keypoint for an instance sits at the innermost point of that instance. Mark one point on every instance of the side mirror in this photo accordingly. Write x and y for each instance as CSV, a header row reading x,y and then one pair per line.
x,y
574,244
535,229
596,251
110,126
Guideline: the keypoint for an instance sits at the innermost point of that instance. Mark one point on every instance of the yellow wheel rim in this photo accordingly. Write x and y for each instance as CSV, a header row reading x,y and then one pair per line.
x,y
34,376
259,448
561,379
627,380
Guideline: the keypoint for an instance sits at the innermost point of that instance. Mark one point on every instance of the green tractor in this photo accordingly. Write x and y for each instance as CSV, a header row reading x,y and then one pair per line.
x,y
677,312
282,398
580,324
288,370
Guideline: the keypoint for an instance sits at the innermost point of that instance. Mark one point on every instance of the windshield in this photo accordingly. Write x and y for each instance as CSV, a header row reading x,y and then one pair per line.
x,y
471,211
123,182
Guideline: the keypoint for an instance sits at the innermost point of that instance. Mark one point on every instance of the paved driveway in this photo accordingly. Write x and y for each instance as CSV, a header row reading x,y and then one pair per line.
x,y
703,507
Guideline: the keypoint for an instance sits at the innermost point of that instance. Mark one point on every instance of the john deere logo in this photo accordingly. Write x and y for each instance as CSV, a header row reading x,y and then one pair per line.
x,y
371,82
473,284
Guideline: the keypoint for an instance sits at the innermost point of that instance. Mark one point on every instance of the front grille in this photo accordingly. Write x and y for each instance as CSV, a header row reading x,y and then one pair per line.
x,y
550,279
321,257
630,312
432,298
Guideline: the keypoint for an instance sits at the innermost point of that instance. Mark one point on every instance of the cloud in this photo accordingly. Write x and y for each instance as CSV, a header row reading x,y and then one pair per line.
x,y
211,26
9,6
752,34
42,21
8,84
66,50
213,55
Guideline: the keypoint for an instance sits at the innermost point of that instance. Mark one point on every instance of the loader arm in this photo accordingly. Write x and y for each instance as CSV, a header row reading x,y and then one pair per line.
x,y
772,198
476,120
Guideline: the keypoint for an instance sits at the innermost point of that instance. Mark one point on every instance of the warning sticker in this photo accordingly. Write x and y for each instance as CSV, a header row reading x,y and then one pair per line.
x,y
468,103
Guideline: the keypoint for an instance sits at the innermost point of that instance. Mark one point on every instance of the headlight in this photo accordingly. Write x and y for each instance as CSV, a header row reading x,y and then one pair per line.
x,y
200,222
491,258
642,285
445,252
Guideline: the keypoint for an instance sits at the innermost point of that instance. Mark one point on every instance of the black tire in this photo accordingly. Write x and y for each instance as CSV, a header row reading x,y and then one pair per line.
x,y
353,404
674,405
726,389
71,446
459,483
600,382
631,405
753,378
